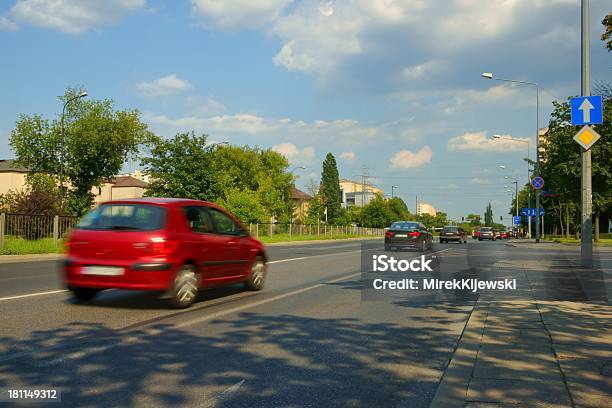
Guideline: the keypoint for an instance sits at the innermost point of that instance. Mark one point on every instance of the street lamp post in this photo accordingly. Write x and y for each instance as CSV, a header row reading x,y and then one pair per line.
x,y
393,190
62,147
489,75
297,168
528,174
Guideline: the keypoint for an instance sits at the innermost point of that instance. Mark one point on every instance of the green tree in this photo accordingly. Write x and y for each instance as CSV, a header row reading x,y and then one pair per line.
x,y
181,167
315,210
377,214
440,220
98,140
562,163
488,216
606,37
330,186
473,219
398,208
245,205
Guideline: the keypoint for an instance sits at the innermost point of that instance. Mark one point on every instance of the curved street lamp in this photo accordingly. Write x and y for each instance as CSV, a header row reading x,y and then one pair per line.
x,y
489,75
62,146
393,190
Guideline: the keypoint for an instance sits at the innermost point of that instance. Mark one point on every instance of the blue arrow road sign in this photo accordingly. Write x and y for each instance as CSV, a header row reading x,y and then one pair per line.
x,y
587,110
537,182
516,220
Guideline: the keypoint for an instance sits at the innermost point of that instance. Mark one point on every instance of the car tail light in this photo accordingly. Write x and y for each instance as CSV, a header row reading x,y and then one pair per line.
x,y
414,234
389,234
163,246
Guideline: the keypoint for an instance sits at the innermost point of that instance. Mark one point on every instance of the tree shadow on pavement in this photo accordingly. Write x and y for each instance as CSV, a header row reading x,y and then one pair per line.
x,y
251,360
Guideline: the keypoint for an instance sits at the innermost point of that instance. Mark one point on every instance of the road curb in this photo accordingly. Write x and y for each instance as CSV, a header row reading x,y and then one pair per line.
x,y
29,258
453,387
319,241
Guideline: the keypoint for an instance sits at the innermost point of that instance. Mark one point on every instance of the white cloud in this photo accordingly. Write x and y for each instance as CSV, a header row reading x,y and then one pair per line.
x,y
73,16
478,180
223,124
478,142
7,25
339,133
238,14
405,159
166,85
207,107
348,156
293,153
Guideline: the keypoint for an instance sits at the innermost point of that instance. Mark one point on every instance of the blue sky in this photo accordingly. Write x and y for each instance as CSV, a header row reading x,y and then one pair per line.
x,y
391,85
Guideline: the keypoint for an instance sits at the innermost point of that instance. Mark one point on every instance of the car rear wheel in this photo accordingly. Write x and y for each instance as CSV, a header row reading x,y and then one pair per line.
x,y
257,278
84,294
185,287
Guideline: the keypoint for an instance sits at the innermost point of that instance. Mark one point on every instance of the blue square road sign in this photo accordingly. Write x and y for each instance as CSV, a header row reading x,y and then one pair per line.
x,y
587,110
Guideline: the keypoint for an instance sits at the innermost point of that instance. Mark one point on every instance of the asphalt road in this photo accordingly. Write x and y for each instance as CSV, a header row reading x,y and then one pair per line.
x,y
308,339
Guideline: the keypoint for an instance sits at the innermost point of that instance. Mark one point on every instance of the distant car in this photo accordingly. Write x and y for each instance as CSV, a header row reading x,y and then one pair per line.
x,y
453,233
487,233
408,234
475,232
161,244
504,235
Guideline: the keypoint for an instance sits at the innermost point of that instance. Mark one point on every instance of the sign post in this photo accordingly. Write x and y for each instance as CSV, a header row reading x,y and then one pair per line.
x,y
586,236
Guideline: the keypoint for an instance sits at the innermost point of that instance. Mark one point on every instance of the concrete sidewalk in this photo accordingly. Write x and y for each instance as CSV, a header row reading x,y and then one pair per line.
x,y
519,350
552,354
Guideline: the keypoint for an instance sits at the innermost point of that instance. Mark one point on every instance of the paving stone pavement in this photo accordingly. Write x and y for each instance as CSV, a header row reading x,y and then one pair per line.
x,y
524,351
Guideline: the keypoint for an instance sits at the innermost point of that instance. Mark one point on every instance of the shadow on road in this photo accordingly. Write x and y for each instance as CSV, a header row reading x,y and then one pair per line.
x,y
252,360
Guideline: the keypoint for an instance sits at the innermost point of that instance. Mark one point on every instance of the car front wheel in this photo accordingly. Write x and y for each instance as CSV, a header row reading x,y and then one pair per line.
x,y
257,278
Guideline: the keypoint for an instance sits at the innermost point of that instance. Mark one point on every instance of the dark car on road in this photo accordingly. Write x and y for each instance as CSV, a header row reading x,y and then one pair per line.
x,y
175,246
453,233
408,234
487,233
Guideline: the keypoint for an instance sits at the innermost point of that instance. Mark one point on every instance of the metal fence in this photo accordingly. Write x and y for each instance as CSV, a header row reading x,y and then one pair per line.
x,y
289,231
38,227
35,227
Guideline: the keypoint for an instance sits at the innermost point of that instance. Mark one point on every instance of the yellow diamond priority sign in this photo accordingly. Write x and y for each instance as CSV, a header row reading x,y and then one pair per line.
x,y
586,137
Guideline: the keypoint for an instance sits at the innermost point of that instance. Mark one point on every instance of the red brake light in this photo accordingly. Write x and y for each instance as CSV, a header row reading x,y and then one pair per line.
x,y
414,234
162,246
389,234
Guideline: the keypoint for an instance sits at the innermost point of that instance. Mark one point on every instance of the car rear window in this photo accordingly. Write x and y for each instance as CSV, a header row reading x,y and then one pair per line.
x,y
124,217
404,226
451,229
486,229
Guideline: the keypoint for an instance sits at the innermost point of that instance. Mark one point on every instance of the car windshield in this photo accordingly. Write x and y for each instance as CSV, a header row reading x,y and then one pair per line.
x,y
450,229
124,217
404,226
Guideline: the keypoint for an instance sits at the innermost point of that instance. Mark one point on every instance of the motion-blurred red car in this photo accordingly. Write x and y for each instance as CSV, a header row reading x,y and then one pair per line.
x,y
504,235
161,244
476,232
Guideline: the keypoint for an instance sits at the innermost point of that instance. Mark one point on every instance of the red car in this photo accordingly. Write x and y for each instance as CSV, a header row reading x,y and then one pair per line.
x,y
504,235
161,244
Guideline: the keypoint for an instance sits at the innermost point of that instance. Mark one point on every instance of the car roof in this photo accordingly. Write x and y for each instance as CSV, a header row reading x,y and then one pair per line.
x,y
164,201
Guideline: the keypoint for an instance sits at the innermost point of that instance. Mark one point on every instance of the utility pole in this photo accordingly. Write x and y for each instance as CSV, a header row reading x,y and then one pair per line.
x,y
364,180
586,237
416,207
